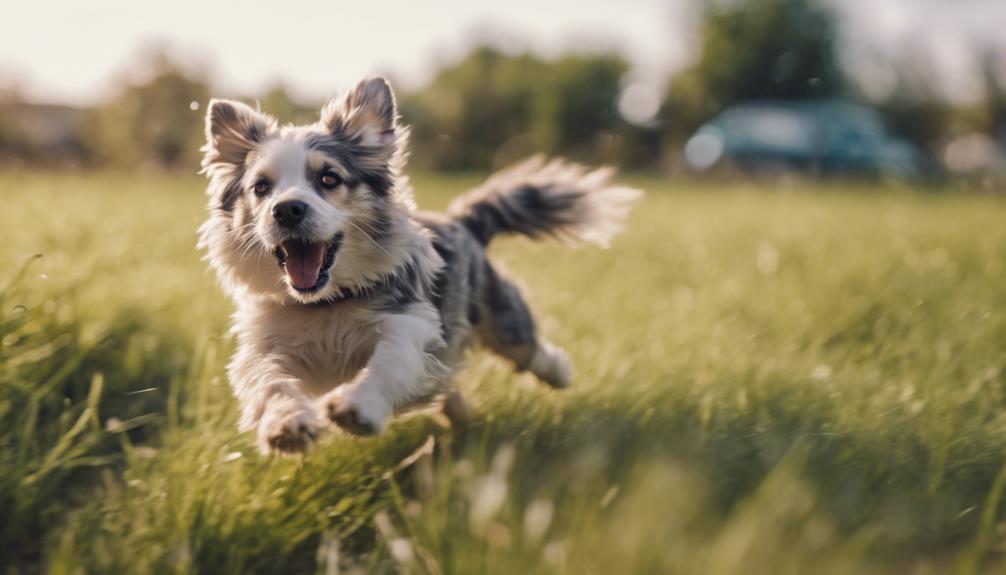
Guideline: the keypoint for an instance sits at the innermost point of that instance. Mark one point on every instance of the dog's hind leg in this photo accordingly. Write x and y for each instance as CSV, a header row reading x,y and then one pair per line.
x,y
551,364
507,328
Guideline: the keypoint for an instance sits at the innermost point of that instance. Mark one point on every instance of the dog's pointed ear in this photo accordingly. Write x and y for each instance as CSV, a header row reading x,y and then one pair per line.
x,y
368,114
232,130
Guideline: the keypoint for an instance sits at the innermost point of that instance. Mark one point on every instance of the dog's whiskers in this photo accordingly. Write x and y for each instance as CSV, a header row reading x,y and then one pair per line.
x,y
248,240
369,227
368,236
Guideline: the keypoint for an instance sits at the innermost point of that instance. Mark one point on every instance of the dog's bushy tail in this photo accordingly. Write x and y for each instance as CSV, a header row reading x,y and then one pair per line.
x,y
539,199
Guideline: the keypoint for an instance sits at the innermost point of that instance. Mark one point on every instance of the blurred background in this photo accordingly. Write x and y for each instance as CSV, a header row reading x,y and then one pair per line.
x,y
891,89
791,361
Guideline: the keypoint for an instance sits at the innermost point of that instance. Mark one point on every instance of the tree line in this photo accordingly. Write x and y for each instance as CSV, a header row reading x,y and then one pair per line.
x,y
491,108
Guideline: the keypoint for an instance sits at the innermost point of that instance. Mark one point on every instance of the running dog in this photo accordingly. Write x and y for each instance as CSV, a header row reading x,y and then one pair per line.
x,y
351,305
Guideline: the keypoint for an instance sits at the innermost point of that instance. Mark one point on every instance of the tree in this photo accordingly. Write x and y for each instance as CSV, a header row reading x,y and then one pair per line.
x,y
915,109
157,121
585,89
278,103
490,109
472,108
778,49
994,100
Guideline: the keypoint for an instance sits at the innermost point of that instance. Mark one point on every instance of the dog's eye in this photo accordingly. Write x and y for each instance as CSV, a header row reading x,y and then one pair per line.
x,y
262,187
330,180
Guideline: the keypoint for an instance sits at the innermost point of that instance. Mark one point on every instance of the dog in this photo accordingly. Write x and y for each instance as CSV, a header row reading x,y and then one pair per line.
x,y
351,306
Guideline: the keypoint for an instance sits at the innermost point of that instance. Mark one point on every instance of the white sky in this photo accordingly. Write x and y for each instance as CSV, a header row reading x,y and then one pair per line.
x,y
73,51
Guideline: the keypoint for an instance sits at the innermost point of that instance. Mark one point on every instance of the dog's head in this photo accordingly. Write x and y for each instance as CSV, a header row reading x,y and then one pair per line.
x,y
299,212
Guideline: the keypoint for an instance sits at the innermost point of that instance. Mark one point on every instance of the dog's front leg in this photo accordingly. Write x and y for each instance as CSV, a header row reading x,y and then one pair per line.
x,y
273,403
401,371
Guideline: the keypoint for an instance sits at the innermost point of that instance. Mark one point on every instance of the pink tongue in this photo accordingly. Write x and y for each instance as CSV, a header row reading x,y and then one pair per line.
x,y
303,263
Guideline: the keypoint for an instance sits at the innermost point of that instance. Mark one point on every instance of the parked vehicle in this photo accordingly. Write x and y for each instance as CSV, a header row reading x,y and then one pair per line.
x,y
829,137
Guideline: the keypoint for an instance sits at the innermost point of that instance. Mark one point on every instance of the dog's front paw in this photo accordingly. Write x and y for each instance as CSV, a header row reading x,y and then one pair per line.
x,y
289,432
356,410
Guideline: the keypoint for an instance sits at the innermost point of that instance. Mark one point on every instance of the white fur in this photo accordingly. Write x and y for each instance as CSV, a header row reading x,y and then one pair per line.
x,y
400,371
401,362
296,362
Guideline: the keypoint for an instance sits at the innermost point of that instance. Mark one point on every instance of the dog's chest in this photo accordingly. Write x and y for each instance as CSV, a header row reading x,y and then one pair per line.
x,y
324,347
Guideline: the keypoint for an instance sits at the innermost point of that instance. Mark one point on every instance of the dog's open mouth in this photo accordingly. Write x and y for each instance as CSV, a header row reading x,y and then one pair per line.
x,y
307,264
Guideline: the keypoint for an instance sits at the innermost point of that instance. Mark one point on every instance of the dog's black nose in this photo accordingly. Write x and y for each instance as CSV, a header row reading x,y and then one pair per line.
x,y
289,213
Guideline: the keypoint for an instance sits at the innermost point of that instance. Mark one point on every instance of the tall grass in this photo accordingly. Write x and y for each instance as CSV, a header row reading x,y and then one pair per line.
x,y
768,381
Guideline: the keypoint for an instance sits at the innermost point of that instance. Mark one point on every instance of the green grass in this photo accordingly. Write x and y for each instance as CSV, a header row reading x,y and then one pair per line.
x,y
805,380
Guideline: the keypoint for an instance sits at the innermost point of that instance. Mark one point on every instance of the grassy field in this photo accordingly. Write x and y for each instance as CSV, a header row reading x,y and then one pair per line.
x,y
773,381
